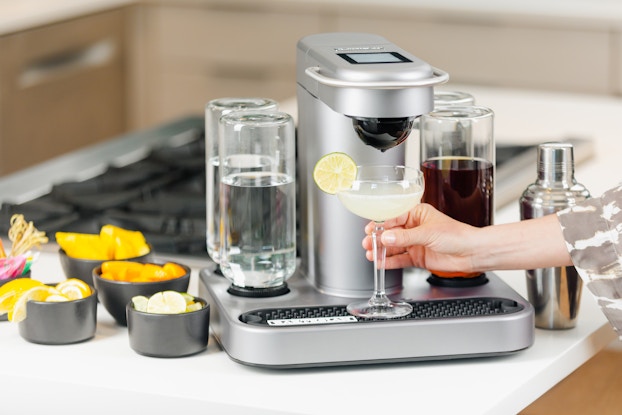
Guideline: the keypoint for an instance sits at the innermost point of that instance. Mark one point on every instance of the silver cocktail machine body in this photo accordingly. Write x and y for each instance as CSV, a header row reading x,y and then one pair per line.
x,y
358,94
355,89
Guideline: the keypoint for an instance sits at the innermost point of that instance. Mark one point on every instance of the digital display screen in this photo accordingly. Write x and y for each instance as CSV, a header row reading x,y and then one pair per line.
x,y
374,57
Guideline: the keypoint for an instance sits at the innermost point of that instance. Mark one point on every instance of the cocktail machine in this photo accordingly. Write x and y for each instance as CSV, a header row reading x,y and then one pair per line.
x,y
359,94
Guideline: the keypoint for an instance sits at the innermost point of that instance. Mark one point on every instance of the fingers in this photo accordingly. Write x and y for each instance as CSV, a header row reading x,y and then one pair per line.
x,y
391,223
394,261
367,246
402,260
403,237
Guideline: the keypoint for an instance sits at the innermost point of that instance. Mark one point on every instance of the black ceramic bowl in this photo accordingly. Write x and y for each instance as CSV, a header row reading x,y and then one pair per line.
x,y
60,322
83,268
114,295
168,335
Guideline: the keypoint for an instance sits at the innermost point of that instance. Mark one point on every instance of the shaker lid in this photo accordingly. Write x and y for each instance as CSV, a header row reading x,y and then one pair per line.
x,y
555,161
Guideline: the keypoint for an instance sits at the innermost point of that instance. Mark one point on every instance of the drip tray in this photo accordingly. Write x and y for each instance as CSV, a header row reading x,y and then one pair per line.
x,y
422,310
305,328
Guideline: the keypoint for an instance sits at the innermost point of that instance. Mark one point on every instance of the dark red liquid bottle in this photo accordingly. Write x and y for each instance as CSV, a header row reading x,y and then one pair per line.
x,y
461,188
457,161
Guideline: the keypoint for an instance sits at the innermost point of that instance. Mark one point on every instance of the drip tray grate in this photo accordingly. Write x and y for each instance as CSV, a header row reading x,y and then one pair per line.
x,y
422,310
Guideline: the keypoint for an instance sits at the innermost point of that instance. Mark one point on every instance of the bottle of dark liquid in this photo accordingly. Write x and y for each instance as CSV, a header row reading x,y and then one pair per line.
x,y
460,187
458,158
554,292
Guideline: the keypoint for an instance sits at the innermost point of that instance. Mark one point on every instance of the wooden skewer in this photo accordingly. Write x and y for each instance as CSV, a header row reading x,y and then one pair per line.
x,y
24,235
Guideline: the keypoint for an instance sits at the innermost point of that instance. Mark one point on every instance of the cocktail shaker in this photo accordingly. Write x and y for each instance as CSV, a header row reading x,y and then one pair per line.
x,y
555,293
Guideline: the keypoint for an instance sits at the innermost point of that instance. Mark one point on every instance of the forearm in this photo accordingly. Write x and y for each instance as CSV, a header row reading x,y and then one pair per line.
x,y
529,244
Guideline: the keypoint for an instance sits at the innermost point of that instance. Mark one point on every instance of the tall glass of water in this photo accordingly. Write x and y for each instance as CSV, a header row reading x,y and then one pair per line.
x,y
257,199
213,111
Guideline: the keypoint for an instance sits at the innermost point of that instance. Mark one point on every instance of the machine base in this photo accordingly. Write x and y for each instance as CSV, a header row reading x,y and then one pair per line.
x,y
305,328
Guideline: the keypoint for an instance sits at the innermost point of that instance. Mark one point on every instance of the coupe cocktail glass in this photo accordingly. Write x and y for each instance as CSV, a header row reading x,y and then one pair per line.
x,y
380,193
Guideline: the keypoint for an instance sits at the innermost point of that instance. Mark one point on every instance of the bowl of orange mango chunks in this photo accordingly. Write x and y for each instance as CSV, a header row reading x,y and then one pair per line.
x,y
81,253
117,282
62,313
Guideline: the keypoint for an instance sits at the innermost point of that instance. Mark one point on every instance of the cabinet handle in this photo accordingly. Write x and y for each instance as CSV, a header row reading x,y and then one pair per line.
x,y
97,54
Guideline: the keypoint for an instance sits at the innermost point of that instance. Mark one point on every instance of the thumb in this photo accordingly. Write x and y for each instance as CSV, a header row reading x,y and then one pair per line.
x,y
402,237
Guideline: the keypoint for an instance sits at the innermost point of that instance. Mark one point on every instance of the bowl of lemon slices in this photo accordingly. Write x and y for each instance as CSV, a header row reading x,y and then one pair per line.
x,y
62,313
168,324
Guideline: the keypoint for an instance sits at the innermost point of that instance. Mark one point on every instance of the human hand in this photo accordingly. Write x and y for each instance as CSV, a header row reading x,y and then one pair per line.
x,y
426,238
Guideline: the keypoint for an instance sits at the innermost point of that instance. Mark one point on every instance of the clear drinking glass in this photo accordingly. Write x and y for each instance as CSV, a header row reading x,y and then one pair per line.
x,y
380,193
452,98
213,111
442,98
257,198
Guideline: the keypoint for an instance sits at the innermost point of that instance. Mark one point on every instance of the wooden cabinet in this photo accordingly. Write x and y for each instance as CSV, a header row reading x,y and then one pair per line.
x,y
496,51
193,52
61,88
79,81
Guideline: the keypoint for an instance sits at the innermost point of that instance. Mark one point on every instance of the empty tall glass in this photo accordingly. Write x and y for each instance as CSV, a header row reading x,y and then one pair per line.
x,y
213,111
442,98
257,198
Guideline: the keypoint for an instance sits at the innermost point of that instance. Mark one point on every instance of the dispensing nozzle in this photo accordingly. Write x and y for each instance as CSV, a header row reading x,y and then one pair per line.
x,y
383,133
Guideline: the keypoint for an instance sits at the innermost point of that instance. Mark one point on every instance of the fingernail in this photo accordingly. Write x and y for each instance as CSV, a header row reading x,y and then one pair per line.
x,y
388,237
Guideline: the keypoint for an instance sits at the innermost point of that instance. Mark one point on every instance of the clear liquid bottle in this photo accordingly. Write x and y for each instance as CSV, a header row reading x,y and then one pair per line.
x,y
554,292
257,166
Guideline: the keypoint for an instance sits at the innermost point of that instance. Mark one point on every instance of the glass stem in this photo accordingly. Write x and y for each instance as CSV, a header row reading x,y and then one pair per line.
x,y
379,298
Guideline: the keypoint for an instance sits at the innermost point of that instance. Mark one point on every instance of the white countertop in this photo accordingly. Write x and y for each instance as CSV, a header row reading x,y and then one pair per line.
x,y
104,374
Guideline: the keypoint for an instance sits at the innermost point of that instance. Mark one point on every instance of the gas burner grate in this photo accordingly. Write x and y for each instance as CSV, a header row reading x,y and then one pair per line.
x,y
422,310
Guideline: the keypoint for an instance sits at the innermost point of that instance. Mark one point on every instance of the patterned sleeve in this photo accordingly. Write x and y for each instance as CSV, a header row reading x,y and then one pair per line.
x,y
593,234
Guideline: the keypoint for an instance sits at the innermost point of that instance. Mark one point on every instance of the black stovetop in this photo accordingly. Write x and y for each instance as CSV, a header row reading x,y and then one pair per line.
x,y
162,195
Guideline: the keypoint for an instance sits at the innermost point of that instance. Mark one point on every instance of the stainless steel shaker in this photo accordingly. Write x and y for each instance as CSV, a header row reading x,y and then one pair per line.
x,y
555,293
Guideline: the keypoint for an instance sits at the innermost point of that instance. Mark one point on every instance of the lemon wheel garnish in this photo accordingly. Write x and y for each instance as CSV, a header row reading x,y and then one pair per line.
x,y
333,172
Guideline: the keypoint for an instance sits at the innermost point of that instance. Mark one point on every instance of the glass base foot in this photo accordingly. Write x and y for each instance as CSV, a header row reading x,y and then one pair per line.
x,y
379,311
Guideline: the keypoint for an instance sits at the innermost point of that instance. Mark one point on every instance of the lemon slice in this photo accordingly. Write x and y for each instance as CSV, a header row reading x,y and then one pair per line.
x,y
140,303
74,289
166,302
333,172
56,298
40,293
193,307
189,298
10,291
